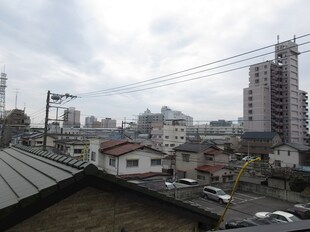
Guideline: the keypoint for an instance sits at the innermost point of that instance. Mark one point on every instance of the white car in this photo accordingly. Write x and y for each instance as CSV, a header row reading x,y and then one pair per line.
x,y
169,185
279,216
305,206
248,158
216,194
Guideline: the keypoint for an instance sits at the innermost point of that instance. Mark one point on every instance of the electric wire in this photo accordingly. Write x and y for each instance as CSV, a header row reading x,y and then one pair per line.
x,y
100,93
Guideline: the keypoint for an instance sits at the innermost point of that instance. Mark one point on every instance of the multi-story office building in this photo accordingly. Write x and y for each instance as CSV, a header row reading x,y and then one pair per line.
x,y
146,119
273,101
176,115
73,118
108,123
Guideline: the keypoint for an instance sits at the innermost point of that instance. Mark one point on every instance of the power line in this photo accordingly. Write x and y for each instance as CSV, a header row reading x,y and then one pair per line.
x,y
140,84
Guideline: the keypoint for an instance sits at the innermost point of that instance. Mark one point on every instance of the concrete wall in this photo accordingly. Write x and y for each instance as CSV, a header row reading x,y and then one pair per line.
x,y
94,210
274,192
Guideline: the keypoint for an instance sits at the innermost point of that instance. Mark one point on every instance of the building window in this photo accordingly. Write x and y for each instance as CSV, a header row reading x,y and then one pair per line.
x,y
250,98
250,92
166,137
176,129
256,68
256,74
172,145
250,105
93,156
132,163
155,162
250,112
265,66
278,152
176,137
257,81
250,118
277,163
185,157
112,162
288,153
166,145
77,151
209,157
181,137
200,177
182,129
215,179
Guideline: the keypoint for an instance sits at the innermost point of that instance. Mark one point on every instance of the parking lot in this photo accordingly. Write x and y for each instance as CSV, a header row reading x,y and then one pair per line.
x,y
245,205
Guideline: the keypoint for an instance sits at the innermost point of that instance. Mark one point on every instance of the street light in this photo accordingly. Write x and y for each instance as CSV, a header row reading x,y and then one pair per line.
x,y
233,191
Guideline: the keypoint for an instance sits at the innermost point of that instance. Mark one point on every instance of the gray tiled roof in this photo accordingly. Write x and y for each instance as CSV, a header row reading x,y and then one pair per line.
x,y
258,135
32,173
299,147
193,147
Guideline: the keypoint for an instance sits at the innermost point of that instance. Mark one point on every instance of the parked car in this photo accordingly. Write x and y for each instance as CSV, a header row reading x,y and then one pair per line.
x,y
248,222
302,213
305,206
248,158
169,185
187,181
216,194
280,216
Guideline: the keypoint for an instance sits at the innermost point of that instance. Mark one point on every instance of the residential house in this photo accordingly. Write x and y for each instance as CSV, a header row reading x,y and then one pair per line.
x,y
290,155
42,191
193,158
72,147
211,174
36,139
120,157
259,143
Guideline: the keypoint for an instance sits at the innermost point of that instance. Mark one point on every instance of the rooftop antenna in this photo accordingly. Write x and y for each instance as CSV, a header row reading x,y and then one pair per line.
x,y
294,38
278,38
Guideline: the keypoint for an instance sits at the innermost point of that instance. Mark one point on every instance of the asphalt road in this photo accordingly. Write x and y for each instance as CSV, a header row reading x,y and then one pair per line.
x,y
245,205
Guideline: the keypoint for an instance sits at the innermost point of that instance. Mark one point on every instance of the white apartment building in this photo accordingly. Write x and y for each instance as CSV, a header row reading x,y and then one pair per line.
x,y
273,101
168,135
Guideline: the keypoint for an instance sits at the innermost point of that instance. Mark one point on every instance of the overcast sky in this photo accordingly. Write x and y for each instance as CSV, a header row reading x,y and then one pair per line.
x,y
80,47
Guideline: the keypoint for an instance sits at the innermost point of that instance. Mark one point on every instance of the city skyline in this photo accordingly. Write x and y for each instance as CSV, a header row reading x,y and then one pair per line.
x,y
91,50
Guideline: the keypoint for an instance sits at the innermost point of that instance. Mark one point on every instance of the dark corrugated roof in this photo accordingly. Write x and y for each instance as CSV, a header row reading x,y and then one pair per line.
x,y
259,135
297,146
30,173
193,147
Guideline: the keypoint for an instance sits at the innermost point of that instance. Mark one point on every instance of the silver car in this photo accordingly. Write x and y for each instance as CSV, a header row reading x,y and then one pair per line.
x,y
216,194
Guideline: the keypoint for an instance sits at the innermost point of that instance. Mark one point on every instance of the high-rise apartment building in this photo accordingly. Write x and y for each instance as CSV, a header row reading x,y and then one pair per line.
x,y
73,118
273,101
89,121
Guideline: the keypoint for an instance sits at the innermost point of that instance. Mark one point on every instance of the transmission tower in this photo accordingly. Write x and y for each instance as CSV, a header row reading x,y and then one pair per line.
x,y
2,94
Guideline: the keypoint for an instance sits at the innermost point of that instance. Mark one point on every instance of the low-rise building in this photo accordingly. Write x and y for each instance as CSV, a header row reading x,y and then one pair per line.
x,y
120,157
290,155
74,148
259,143
191,156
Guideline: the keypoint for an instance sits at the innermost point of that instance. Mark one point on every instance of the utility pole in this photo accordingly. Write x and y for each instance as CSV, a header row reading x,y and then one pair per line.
x,y
46,119
53,98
